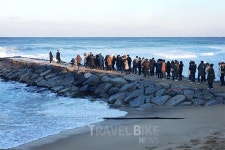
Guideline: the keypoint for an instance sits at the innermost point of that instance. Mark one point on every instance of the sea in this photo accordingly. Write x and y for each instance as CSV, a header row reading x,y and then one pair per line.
x,y
29,113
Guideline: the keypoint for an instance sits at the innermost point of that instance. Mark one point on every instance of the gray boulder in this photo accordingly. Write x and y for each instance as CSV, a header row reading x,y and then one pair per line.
x,y
220,95
79,79
87,75
55,81
119,96
68,80
49,76
84,88
184,104
128,87
43,74
134,94
198,102
146,106
25,77
163,85
137,102
160,100
150,90
176,100
75,89
103,87
113,90
160,92
208,96
118,104
92,80
213,102
57,88
173,91
189,94
117,81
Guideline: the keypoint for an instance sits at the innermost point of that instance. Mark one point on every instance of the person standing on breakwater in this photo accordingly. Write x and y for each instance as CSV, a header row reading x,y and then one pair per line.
x,y
50,57
192,68
58,56
221,73
78,60
211,76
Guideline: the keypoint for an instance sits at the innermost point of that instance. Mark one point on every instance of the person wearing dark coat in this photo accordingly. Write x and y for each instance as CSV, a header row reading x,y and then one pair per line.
x,y
50,57
58,56
168,69
181,66
192,69
210,76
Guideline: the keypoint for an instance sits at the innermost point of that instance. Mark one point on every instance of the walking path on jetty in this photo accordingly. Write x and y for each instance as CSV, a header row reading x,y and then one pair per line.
x,y
118,89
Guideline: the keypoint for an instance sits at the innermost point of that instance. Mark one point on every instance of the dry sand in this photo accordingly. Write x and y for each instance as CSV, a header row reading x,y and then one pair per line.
x,y
201,128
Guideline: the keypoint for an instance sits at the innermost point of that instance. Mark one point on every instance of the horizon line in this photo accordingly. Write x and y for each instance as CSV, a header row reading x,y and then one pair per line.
x,y
112,36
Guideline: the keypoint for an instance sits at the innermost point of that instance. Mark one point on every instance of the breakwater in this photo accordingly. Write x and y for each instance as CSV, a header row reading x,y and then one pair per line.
x,y
117,90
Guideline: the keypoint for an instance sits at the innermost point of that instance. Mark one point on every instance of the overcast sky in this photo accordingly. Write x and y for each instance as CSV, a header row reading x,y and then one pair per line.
x,y
94,18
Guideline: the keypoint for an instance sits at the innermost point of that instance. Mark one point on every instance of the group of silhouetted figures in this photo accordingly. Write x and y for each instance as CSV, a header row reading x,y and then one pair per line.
x,y
148,67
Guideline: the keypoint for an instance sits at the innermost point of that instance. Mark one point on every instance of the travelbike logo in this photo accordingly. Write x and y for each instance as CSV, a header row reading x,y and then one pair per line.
x,y
144,133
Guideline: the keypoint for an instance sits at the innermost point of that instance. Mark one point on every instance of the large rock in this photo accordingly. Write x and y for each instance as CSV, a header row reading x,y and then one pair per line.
x,y
25,77
220,95
208,96
113,90
79,79
146,106
13,75
75,89
43,74
183,104
198,102
84,88
117,97
160,100
118,81
160,92
137,102
57,88
92,80
176,100
189,94
118,104
55,81
128,87
49,76
150,90
103,87
87,75
68,80
163,85
134,94
174,90
213,102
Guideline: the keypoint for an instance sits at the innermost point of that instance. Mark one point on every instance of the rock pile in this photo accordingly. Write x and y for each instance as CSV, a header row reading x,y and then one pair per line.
x,y
116,90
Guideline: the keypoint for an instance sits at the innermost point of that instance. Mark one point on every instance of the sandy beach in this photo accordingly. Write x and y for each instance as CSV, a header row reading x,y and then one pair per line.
x,y
200,128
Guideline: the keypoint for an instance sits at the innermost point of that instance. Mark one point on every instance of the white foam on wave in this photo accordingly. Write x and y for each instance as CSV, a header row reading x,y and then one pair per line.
x,y
176,55
31,115
207,54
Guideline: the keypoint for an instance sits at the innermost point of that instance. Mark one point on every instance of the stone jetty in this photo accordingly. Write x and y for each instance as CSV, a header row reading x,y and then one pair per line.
x,y
118,90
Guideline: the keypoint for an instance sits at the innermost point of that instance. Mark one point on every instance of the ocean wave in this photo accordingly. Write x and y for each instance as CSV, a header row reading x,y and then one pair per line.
x,y
176,55
207,54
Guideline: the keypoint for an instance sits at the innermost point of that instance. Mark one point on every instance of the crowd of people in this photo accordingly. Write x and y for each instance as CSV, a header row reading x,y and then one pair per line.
x,y
148,67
